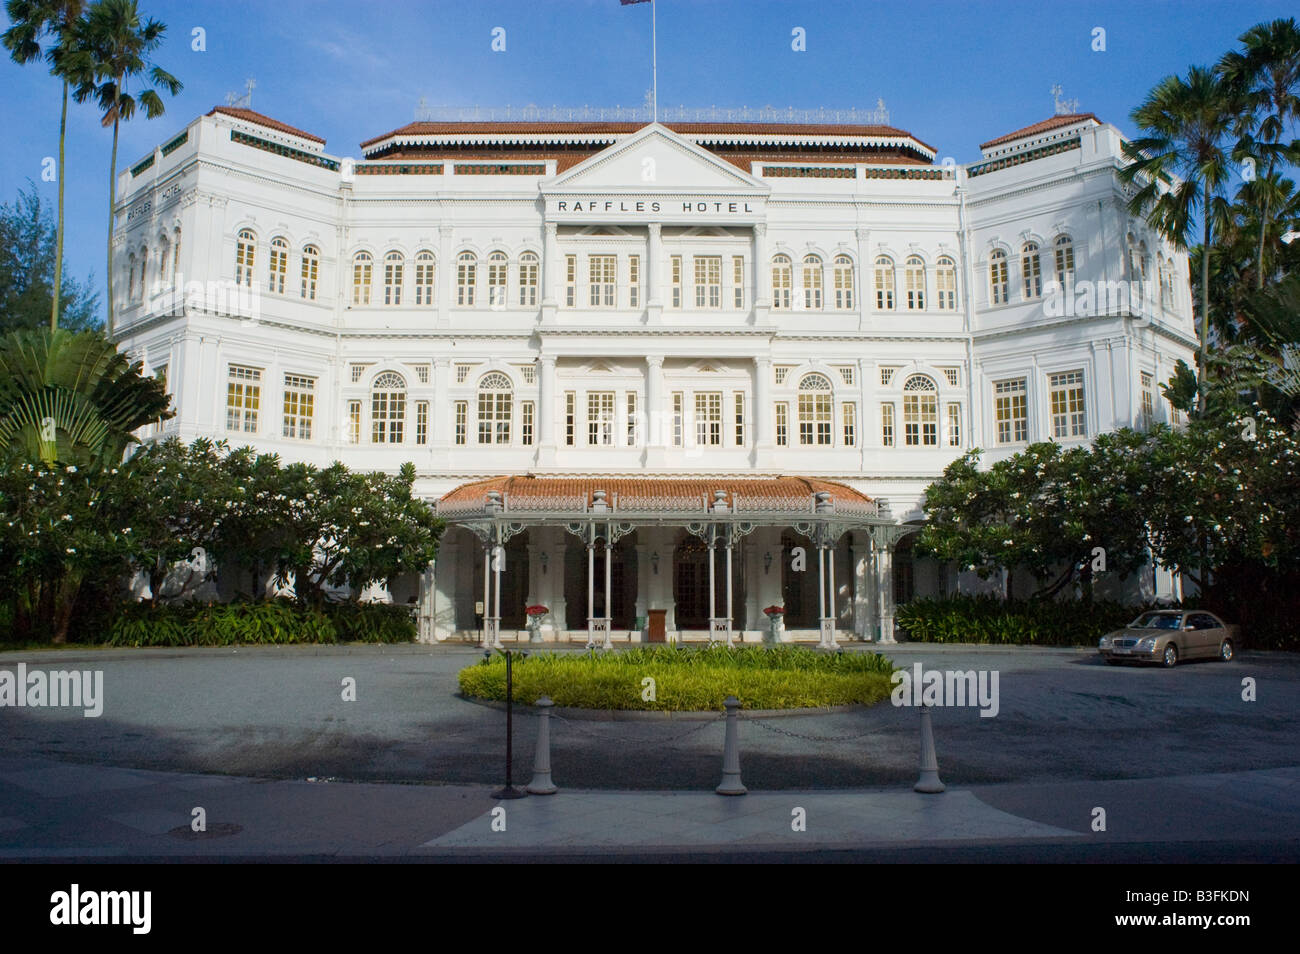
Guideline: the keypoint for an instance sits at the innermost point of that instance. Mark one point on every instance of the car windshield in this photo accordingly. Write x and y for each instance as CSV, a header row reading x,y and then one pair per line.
x,y
1157,621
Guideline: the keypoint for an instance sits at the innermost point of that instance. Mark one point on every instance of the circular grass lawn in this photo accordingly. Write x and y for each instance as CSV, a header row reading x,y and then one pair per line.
x,y
666,678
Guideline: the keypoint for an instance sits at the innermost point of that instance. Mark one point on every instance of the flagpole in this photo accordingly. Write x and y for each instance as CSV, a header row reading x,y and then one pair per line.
x,y
654,64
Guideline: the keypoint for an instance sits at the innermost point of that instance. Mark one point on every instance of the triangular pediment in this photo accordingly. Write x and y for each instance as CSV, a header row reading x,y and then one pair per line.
x,y
655,159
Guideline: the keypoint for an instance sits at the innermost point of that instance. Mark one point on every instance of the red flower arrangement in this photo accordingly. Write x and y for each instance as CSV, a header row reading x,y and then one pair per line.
x,y
775,611
536,610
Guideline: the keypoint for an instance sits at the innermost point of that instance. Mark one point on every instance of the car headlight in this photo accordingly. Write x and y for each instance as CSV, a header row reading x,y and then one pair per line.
x,y
1147,644
1104,642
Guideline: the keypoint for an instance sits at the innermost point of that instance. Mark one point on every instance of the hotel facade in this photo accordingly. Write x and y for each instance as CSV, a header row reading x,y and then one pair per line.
x,y
657,378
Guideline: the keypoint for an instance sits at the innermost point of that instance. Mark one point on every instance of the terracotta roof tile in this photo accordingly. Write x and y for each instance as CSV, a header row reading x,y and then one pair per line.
x,y
1046,125
250,116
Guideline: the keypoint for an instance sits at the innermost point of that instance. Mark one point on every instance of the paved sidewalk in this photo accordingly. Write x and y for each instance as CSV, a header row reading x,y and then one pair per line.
x,y
51,809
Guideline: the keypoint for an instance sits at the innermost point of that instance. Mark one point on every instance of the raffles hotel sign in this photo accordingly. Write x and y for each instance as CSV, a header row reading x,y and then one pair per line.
x,y
692,209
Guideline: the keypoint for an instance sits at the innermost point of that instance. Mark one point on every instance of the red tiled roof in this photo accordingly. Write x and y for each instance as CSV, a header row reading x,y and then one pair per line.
x,y
685,494
1045,126
250,116
615,128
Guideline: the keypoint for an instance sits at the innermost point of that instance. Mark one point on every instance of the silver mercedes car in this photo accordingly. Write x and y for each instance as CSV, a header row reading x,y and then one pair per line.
x,y
1167,636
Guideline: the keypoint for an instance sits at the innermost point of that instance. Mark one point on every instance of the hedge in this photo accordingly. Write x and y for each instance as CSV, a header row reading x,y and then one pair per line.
x,y
990,619
267,622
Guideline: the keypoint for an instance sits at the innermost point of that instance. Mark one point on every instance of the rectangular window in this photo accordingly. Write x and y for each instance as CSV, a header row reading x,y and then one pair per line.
x,y
421,422
528,280
740,418
1068,412
632,440
462,421
920,420
600,418
570,418
354,422
462,372
945,285
678,419
954,425
361,281
601,282
527,422
782,425
634,281
393,282
243,398
708,281
424,279
421,373
570,280
708,418
887,425
814,418
299,401
310,270
846,374
1148,399
279,266
466,279
850,416
1033,275
738,281
677,281
1011,410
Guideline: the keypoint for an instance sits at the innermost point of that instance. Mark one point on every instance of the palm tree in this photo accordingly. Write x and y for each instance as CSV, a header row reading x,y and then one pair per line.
x,y
72,398
120,45
1180,165
31,20
1265,76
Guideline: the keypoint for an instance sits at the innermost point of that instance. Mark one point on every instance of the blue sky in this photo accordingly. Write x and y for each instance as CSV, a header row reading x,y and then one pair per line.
x,y
953,73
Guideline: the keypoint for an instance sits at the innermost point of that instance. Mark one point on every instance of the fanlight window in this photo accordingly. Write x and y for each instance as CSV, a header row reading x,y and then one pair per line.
x,y
815,409
495,400
388,408
920,412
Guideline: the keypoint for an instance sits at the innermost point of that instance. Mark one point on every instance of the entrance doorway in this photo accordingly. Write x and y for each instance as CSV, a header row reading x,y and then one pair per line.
x,y
691,584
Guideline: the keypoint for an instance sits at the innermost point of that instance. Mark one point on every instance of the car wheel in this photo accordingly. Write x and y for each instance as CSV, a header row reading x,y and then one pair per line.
x,y
1225,650
1171,656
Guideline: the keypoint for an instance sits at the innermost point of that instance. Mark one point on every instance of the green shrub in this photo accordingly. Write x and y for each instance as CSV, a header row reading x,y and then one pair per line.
x,y
787,677
990,619
265,622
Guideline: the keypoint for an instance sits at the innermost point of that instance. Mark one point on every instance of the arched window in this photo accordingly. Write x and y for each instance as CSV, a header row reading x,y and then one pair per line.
x,y
843,281
945,283
495,400
394,266
388,408
141,290
130,278
920,412
176,256
884,283
781,281
1064,262
999,287
1031,271
424,277
812,283
310,271
362,268
466,278
815,400
165,275
279,264
497,263
528,278
1167,285
915,279
1143,260
245,253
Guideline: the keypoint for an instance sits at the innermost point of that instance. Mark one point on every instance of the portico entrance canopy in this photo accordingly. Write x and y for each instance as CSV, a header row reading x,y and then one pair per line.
x,y
718,511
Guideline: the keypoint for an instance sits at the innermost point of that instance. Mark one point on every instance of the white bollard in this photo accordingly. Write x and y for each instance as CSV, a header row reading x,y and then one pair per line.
x,y
928,783
541,783
731,784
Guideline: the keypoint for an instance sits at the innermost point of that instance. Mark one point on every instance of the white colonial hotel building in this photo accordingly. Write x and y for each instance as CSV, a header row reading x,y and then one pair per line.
x,y
649,362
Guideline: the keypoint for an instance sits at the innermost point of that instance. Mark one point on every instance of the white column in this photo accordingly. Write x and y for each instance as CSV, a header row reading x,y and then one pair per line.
x,y
546,412
551,262
764,439
441,414
731,619
655,414
833,614
445,277
591,586
885,591
498,557
864,270
863,587
608,615
713,590
487,592
655,275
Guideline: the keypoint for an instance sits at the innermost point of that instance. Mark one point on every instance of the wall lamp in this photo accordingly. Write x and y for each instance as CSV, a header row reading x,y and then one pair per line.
x,y
654,562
